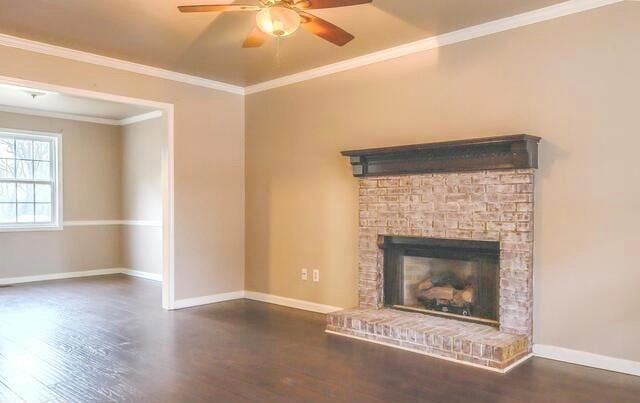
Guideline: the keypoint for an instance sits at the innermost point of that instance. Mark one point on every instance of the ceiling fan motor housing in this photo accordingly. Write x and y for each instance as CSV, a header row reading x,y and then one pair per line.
x,y
278,20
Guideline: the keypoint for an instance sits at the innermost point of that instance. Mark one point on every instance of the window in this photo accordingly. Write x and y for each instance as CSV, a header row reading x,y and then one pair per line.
x,y
29,181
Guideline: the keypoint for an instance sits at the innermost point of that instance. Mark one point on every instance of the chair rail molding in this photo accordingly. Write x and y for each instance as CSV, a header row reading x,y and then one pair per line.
x,y
88,223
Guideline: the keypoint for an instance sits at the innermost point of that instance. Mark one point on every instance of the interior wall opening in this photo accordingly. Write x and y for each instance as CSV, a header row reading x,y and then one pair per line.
x,y
86,180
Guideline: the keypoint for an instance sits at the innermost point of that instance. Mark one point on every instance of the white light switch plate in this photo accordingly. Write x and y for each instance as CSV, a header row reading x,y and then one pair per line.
x,y
316,275
304,273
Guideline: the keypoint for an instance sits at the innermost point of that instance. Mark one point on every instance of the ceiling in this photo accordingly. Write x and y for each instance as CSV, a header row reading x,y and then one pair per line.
x,y
20,99
208,45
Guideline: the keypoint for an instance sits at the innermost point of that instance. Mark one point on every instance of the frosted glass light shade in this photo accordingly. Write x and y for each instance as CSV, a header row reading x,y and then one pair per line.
x,y
278,21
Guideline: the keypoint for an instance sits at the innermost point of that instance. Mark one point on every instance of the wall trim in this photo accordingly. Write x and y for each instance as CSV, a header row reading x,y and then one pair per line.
x,y
256,296
140,118
290,302
77,274
142,274
519,20
57,115
58,276
539,350
587,359
81,118
141,223
92,58
465,34
207,299
138,223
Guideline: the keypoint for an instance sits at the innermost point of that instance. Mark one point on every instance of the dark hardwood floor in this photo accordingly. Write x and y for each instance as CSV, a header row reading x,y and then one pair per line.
x,y
107,339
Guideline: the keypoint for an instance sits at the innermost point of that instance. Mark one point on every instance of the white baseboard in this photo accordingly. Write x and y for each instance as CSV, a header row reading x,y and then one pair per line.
x,y
207,299
256,296
587,359
142,274
539,350
76,274
290,302
58,276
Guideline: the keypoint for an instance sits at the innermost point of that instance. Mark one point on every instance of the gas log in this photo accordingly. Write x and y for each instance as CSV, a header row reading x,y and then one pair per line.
x,y
467,295
441,289
438,293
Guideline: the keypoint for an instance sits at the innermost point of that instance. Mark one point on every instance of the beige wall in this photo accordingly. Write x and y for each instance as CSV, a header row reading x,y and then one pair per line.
x,y
573,81
91,191
73,249
141,248
209,163
143,144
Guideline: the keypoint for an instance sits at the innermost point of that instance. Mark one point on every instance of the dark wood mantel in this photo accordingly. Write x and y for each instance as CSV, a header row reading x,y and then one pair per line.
x,y
504,152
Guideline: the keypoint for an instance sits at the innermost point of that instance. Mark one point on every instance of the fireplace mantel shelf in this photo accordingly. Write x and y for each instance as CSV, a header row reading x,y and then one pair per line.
x,y
503,152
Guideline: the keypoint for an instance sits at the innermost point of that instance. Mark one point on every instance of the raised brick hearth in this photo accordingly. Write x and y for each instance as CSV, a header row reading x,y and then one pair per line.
x,y
493,205
467,342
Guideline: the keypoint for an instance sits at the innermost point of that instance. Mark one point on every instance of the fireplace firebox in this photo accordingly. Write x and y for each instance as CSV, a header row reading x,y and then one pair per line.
x,y
444,277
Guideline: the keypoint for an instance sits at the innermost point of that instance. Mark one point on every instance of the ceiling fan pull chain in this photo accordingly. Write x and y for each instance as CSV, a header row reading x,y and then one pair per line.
x,y
278,52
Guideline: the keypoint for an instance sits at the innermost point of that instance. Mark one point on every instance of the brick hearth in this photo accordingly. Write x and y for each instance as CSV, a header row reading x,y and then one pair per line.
x,y
494,205
467,342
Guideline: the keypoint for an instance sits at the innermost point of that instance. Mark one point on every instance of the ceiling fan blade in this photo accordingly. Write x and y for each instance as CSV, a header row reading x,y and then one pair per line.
x,y
325,30
316,4
255,39
218,8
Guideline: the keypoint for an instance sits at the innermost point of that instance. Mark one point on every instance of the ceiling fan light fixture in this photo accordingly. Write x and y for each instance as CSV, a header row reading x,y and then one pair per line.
x,y
278,20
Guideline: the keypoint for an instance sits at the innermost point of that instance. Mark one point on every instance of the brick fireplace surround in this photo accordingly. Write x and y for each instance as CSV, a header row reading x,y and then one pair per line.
x,y
486,205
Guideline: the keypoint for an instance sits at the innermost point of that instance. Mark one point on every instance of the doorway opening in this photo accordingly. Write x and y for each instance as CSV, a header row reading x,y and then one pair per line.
x,y
86,185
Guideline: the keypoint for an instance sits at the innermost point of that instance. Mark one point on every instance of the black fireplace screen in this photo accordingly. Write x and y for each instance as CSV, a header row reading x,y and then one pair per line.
x,y
453,278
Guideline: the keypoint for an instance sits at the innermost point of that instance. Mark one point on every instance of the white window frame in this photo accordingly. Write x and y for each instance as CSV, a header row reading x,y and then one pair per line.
x,y
56,161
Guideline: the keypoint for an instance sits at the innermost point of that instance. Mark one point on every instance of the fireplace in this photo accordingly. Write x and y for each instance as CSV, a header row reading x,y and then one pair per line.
x,y
446,249
456,279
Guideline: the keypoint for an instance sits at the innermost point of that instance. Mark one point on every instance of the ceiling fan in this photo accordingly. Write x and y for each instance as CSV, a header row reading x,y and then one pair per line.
x,y
283,17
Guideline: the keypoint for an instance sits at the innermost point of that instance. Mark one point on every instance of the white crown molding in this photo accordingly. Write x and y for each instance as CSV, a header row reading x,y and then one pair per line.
x,y
140,118
465,34
81,118
587,359
58,115
136,223
86,57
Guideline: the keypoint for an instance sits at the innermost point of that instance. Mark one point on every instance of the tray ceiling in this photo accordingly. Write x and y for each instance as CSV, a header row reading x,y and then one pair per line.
x,y
208,45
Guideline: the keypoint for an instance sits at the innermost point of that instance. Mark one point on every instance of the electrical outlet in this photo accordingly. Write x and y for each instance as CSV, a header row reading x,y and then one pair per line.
x,y
316,275
304,273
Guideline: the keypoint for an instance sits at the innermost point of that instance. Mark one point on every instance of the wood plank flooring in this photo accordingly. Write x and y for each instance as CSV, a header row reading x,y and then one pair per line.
x,y
104,339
